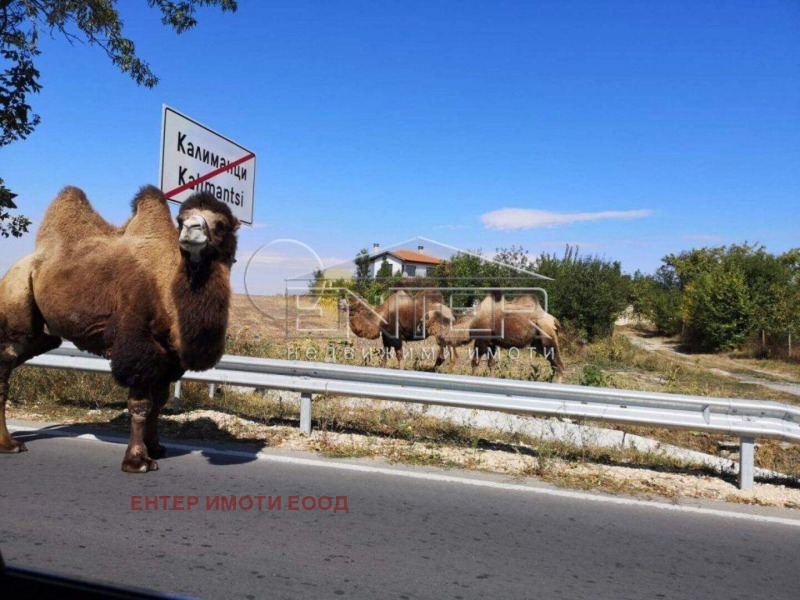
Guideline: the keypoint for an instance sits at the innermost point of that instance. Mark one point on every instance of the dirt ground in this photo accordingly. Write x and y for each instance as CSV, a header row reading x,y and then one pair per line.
x,y
775,374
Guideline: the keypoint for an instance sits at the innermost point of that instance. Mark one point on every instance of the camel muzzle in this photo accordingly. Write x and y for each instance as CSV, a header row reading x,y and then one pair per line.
x,y
194,236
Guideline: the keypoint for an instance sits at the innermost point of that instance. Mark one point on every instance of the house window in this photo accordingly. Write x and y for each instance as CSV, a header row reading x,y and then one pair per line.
x,y
410,270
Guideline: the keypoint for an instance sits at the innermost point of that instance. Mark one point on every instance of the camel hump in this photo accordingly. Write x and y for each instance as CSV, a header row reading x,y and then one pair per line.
x,y
70,193
151,214
431,296
487,304
440,312
69,218
531,303
146,195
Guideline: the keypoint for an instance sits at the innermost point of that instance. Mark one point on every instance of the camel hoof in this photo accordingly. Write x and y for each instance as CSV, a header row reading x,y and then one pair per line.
x,y
139,464
14,447
159,451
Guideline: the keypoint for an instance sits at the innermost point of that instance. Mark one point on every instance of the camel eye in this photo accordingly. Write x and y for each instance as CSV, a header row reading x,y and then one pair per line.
x,y
217,227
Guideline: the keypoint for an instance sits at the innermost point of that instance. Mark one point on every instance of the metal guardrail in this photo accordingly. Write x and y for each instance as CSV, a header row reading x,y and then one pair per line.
x,y
746,419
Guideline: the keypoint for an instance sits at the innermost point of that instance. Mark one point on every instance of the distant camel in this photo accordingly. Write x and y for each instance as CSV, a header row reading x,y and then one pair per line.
x,y
402,317
152,298
518,323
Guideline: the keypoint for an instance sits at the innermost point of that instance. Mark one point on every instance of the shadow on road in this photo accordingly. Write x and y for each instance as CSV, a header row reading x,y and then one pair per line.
x,y
207,439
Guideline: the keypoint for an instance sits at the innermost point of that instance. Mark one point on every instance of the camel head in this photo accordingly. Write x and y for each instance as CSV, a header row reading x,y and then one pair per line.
x,y
439,321
364,321
207,230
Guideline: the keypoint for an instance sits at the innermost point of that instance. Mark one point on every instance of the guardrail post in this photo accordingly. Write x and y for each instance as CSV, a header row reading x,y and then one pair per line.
x,y
746,463
176,398
212,389
305,413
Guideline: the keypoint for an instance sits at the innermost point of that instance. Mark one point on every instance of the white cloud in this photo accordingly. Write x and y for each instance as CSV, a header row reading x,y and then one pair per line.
x,y
526,218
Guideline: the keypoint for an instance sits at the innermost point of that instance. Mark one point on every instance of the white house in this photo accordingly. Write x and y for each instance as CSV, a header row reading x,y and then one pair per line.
x,y
407,262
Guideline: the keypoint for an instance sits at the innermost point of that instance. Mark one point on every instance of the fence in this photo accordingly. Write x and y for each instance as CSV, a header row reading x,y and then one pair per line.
x,y
745,419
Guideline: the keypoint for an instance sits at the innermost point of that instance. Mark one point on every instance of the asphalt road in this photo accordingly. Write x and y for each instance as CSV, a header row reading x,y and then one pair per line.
x,y
66,507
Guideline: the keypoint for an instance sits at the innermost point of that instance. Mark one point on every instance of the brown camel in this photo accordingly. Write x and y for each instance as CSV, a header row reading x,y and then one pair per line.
x,y
518,323
402,317
152,298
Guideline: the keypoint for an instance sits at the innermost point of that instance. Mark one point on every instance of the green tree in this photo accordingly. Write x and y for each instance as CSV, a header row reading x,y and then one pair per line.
x,y
10,225
465,270
689,265
588,293
762,272
658,298
385,270
719,309
787,298
96,22
317,280
769,283
362,266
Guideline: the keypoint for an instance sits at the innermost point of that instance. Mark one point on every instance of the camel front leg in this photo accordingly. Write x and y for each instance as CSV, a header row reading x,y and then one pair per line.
x,y
477,352
384,356
453,359
8,445
559,375
441,356
553,356
398,354
491,359
160,394
140,407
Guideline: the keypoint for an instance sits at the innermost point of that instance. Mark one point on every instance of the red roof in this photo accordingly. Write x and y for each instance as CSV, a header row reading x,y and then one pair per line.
x,y
416,257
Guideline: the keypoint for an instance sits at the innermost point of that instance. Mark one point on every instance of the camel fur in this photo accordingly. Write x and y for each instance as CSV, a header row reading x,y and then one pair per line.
x,y
152,298
498,323
402,317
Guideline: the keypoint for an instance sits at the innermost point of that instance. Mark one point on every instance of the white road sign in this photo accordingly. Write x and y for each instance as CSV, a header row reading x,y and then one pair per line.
x,y
196,158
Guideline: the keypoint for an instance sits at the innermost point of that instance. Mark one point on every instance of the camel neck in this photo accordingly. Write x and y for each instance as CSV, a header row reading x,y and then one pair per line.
x,y
202,298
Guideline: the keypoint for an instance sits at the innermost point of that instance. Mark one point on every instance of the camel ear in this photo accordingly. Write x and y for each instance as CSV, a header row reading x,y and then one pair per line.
x,y
236,224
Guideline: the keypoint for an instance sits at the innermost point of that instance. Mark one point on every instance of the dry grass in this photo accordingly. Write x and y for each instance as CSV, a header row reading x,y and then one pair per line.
x,y
398,433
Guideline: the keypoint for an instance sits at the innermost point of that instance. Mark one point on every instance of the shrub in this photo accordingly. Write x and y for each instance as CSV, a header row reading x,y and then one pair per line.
x,y
593,376
588,293
718,310
658,299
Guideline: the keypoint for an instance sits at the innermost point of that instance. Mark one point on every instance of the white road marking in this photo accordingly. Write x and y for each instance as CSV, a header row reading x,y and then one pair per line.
x,y
344,466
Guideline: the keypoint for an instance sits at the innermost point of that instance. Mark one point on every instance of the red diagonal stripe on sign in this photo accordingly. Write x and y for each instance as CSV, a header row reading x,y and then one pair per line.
x,y
207,176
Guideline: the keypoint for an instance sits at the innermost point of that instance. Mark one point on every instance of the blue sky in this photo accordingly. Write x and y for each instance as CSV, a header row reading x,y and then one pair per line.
x,y
647,127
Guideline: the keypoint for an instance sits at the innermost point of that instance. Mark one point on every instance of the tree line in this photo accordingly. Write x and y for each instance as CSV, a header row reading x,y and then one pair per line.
x,y
714,298
720,298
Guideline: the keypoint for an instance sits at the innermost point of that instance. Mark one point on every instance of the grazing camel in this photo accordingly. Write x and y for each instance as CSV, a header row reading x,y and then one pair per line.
x,y
518,323
152,298
401,318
